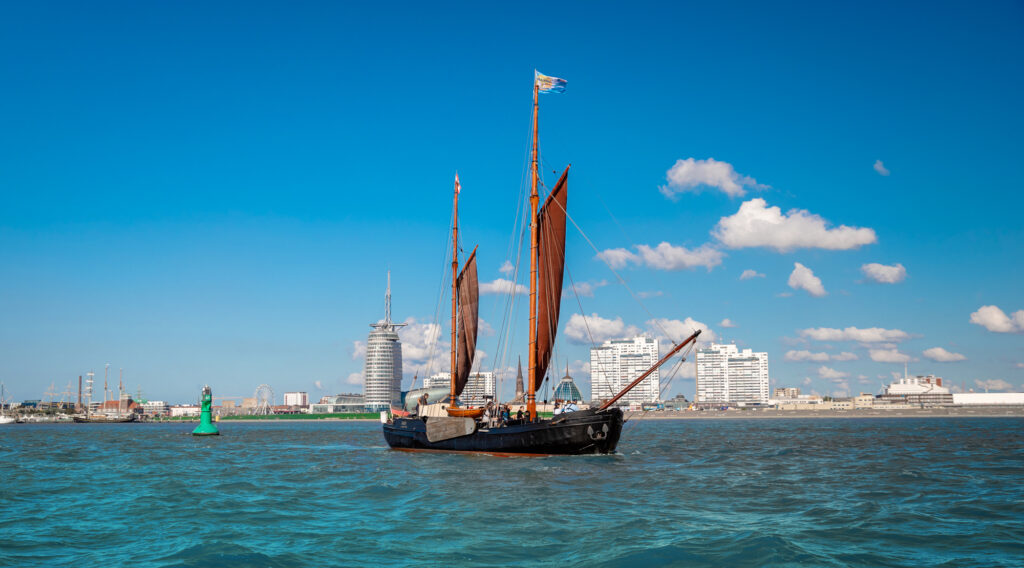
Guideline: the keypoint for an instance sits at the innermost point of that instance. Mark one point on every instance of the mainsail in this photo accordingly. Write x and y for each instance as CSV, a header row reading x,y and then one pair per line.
x,y
551,265
469,308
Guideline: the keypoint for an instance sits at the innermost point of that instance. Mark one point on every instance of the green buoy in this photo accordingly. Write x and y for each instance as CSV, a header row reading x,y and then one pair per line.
x,y
206,427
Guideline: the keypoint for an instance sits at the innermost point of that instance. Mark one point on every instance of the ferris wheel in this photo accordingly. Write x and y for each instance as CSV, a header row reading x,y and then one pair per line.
x,y
264,400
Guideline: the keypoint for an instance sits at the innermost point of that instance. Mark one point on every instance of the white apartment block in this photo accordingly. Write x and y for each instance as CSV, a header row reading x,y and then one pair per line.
x,y
479,385
618,362
727,375
296,399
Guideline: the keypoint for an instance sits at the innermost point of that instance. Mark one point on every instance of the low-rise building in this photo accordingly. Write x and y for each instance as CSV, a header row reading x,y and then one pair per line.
x,y
296,399
155,408
185,410
864,400
345,403
988,398
787,392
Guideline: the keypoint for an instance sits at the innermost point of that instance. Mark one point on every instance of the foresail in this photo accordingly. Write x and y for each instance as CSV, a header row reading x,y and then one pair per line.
x,y
469,309
551,265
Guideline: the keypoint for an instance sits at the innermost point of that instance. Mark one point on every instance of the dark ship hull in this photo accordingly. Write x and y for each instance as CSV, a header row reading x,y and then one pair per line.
x,y
573,433
105,419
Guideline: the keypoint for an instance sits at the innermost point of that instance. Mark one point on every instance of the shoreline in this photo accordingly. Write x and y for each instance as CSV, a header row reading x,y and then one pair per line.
x,y
1002,412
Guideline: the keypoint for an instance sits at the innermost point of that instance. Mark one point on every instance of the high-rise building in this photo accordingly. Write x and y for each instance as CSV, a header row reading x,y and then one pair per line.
x,y
727,375
296,399
617,362
382,372
479,388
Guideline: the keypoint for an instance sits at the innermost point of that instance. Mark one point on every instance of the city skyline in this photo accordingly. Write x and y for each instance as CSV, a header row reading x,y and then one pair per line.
x,y
833,185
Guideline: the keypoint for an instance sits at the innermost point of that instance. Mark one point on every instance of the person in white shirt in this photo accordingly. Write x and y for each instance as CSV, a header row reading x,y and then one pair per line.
x,y
570,407
558,409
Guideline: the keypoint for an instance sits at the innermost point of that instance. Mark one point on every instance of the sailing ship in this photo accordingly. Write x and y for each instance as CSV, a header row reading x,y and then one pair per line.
x,y
4,418
107,417
592,431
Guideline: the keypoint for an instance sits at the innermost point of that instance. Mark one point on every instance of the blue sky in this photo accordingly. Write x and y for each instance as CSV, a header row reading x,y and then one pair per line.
x,y
213,194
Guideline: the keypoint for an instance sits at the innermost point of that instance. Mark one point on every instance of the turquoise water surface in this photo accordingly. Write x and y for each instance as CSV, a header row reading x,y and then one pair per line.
x,y
816,492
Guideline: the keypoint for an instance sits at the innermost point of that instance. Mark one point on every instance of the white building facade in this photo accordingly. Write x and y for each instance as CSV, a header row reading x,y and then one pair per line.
x,y
296,399
618,362
480,387
727,375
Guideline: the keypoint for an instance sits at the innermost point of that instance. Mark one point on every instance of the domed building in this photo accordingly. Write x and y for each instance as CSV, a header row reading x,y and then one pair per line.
x,y
567,390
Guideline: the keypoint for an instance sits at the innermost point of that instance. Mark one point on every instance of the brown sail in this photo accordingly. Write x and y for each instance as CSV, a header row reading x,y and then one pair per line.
x,y
469,308
551,265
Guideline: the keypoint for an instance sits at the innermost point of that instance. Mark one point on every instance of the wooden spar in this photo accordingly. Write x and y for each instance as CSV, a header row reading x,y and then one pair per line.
x,y
531,398
455,292
649,371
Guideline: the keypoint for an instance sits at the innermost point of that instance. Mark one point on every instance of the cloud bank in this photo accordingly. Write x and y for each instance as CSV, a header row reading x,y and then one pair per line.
x,y
691,175
757,225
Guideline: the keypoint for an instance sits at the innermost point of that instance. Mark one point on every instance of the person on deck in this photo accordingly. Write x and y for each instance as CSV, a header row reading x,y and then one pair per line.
x,y
570,407
557,410
519,414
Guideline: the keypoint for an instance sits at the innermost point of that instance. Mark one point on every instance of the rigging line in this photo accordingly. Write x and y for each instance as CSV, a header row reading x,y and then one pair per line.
x,y
617,275
509,323
580,304
440,298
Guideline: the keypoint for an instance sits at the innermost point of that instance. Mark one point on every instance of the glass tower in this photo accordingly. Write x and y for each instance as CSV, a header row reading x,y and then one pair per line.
x,y
382,372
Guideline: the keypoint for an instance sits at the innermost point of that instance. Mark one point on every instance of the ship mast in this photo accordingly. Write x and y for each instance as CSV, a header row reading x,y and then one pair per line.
x,y
531,399
455,283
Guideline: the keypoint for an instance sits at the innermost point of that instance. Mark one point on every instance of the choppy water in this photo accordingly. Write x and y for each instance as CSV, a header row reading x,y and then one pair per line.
x,y
878,492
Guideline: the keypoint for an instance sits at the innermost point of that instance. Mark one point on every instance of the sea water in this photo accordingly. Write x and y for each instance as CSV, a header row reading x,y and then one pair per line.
x,y
815,492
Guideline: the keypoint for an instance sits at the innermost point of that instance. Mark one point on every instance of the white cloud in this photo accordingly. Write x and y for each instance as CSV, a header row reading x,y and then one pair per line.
x,y
804,355
757,225
727,323
748,274
688,370
576,329
863,379
319,385
830,373
807,381
507,268
943,356
502,286
358,349
652,294
888,356
679,330
784,295
691,175
665,256
584,289
994,319
994,384
420,341
865,335
884,273
669,257
354,379
803,278
484,328
880,168
618,257
1020,365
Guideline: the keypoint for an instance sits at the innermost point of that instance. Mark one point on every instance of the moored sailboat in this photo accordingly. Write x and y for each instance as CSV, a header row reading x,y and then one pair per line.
x,y
592,431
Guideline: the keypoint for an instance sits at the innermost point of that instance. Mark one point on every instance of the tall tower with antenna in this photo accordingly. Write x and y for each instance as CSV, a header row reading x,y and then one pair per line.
x,y
88,391
382,371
